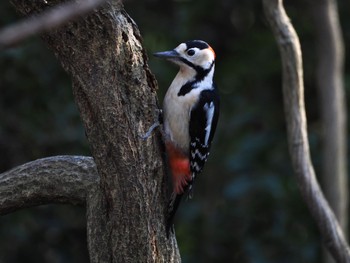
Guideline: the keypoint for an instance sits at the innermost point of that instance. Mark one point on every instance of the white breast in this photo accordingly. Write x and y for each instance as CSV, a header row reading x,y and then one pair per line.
x,y
176,110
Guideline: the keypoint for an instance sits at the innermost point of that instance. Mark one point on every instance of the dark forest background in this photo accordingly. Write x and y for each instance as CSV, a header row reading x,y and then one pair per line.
x,y
246,205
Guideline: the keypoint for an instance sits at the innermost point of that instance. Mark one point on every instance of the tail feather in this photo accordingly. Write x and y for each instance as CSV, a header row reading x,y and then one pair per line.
x,y
172,208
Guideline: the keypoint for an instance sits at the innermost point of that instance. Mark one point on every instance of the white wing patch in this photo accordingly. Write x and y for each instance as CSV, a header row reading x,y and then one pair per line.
x,y
209,110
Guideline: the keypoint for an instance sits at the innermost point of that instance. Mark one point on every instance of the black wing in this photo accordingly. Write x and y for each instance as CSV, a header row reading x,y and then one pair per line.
x,y
203,120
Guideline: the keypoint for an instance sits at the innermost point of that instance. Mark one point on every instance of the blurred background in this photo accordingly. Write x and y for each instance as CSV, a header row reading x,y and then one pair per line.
x,y
246,205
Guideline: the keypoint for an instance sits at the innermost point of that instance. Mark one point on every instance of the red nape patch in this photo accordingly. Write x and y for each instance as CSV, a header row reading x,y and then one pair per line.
x,y
212,50
180,168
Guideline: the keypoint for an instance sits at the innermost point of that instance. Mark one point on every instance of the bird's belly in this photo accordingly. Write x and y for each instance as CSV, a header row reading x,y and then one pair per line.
x,y
176,124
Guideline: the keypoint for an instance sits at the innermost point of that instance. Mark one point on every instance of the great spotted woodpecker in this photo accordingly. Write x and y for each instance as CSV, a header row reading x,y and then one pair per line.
x,y
190,115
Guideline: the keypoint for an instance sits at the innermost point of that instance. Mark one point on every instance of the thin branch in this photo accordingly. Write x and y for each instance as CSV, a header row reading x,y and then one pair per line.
x,y
59,179
293,93
52,18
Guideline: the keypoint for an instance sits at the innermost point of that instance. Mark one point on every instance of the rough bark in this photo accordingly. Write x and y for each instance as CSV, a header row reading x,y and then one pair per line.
x,y
59,179
293,94
330,83
115,93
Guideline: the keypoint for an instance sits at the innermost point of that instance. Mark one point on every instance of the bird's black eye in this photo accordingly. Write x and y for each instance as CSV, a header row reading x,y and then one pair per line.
x,y
191,52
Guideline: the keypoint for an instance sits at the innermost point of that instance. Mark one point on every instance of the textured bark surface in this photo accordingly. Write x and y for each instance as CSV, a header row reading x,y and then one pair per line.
x,y
330,83
115,93
293,94
59,179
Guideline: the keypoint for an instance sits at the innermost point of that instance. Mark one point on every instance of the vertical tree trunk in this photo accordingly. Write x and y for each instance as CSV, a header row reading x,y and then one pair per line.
x,y
330,77
115,93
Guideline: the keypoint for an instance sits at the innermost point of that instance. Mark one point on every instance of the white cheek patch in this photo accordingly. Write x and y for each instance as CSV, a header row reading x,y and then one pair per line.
x,y
205,59
181,48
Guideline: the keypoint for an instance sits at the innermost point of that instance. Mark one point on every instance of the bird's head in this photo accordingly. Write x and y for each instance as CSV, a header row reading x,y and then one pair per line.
x,y
194,54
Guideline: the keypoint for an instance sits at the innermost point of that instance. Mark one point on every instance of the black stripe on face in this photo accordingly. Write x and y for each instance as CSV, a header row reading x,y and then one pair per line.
x,y
190,64
201,73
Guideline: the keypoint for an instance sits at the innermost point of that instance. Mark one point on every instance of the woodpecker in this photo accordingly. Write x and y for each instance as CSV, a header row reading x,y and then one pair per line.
x,y
190,116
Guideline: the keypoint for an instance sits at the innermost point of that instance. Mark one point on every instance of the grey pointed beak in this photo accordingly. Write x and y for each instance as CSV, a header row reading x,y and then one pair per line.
x,y
167,54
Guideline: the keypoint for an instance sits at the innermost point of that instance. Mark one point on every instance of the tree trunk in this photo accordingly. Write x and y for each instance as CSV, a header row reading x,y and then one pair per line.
x,y
115,93
330,76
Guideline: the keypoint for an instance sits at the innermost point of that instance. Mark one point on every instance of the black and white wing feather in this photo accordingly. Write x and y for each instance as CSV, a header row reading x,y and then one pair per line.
x,y
203,120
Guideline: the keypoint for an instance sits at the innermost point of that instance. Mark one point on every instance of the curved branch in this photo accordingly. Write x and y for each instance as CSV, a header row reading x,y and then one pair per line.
x,y
293,93
58,179
49,19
